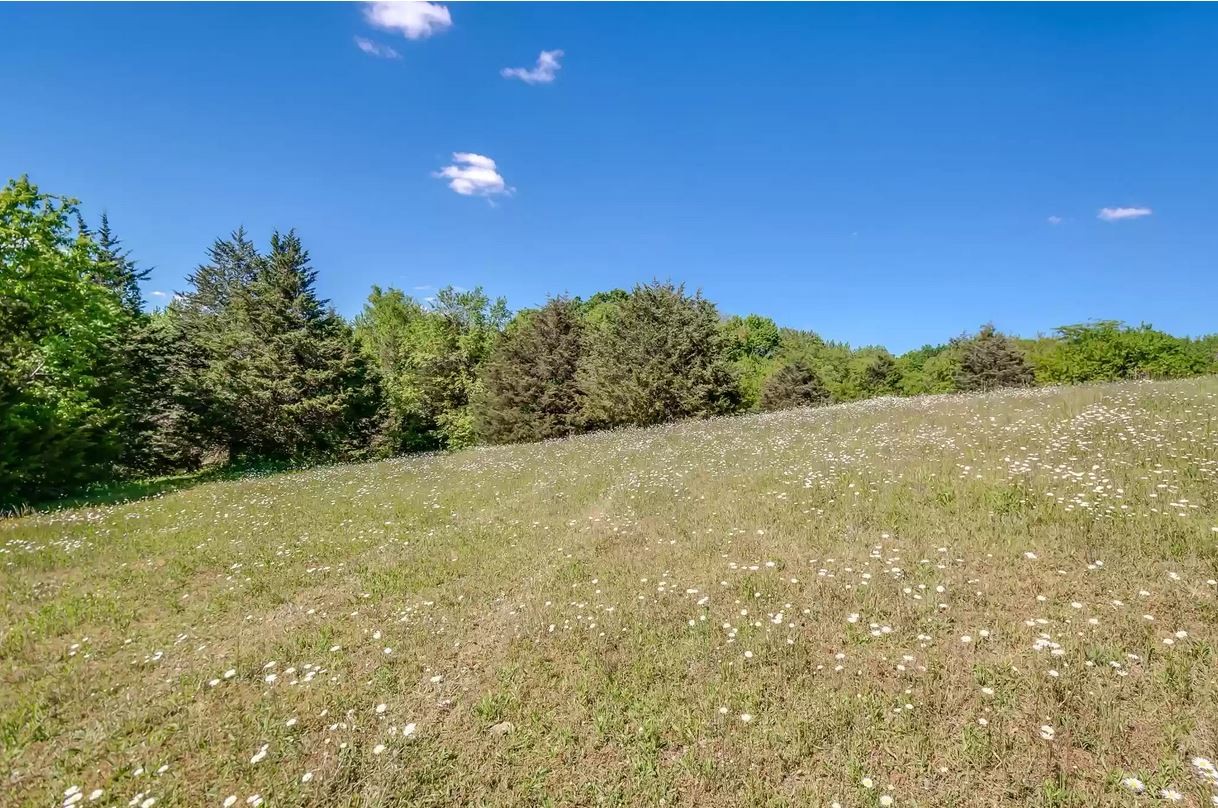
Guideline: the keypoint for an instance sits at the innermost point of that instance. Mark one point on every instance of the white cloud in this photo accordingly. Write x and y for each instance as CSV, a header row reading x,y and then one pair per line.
x,y
544,72
1116,214
414,19
474,175
1054,220
376,49
159,293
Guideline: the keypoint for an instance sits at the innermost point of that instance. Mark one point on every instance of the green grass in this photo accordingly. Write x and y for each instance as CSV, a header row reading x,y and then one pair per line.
x,y
623,599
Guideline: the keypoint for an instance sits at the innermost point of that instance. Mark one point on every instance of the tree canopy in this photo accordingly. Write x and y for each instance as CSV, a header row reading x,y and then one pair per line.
x,y
249,364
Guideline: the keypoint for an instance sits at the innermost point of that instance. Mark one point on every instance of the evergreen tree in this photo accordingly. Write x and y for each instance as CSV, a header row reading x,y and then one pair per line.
x,y
143,384
170,438
988,361
795,384
529,388
662,356
121,273
233,265
294,381
213,338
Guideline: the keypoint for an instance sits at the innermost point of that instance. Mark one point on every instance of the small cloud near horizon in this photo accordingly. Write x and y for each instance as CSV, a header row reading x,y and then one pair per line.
x,y
1117,214
1054,220
376,49
474,175
414,19
544,72
159,293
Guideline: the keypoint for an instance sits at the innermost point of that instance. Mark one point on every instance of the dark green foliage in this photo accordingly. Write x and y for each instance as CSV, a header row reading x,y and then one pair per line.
x,y
208,327
295,384
167,435
662,356
265,370
249,365
119,271
138,431
989,360
795,384
529,387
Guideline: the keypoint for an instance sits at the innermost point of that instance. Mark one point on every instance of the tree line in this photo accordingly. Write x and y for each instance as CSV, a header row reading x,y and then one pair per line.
x,y
249,365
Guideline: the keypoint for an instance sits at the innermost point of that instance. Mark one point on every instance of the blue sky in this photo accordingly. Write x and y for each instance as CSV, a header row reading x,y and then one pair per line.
x,y
878,173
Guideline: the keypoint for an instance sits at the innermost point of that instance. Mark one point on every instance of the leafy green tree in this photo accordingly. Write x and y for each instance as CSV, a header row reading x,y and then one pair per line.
x,y
462,328
794,384
1207,352
61,328
429,358
391,332
529,387
869,371
989,360
661,357
751,336
929,369
1109,350
753,343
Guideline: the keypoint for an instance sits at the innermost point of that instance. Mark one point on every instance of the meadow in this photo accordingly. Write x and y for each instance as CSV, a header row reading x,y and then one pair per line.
x,y
999,599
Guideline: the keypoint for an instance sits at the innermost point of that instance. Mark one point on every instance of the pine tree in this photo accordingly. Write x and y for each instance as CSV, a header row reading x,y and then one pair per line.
x,y
794,384
121,273
143,384
170,438
234,264
296,384
213,338
990,360
661,356
529,387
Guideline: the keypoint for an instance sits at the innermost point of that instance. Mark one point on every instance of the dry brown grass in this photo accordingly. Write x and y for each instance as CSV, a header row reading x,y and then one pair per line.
x,y
622,599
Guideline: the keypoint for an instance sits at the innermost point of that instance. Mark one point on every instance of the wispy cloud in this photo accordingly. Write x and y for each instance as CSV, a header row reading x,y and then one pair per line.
x,y
1117,214
1054,220
474,175
544,72
376,49
414,19
159,293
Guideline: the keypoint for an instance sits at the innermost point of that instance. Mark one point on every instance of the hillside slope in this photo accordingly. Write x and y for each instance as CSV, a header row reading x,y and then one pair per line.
x,y
1006,599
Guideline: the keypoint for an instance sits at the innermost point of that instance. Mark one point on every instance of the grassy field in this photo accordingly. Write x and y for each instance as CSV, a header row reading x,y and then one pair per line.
x,y
1006,599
